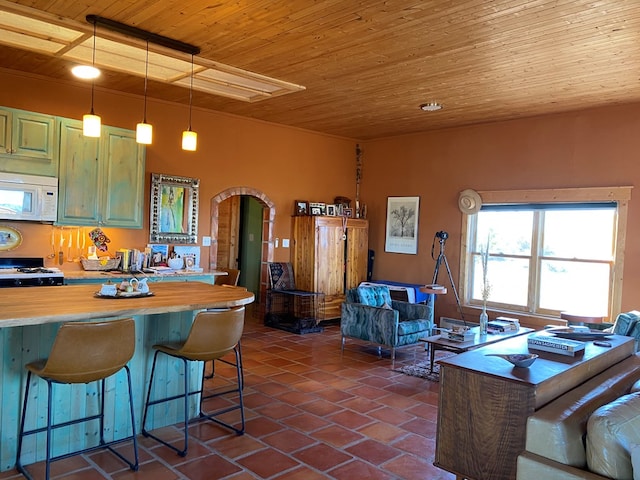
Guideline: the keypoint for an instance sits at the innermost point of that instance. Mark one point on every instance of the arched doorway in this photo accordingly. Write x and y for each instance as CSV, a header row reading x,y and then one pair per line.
x,y
268,216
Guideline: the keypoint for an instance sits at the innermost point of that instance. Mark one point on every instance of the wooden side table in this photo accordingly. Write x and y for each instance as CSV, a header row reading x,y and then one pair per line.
x,y
437,342
485,402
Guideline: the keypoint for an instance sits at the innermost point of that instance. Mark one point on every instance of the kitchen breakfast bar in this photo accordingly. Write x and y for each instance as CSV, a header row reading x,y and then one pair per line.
x,y
29,320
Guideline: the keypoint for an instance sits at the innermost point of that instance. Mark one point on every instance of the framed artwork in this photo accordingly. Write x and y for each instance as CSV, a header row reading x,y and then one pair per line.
x,y
174,209
347,212
331,210
402,225
301,207
315,210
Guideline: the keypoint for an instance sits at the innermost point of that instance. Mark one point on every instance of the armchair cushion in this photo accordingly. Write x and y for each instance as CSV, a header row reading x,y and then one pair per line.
x,y
375,296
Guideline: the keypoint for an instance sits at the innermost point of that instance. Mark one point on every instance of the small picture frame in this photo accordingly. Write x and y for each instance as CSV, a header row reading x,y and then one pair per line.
x,y
347,212
301,207
159,254
318,208
331,210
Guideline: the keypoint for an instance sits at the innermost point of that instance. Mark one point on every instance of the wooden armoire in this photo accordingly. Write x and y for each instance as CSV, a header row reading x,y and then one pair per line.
x,y
329,255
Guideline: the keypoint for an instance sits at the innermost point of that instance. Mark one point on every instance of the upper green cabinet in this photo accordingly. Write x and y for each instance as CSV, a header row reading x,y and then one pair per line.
x,y
28,143
101,180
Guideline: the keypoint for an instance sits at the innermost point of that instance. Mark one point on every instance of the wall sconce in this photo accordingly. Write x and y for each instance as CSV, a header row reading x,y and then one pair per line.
x,y
189,137
91,121
144,131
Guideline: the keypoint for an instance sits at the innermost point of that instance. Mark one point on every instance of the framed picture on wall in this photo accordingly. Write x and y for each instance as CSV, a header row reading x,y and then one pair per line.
x,y
402,225
301,207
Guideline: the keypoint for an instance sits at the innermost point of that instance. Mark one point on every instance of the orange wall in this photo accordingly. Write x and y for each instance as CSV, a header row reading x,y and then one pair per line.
x,y
582,149
284,163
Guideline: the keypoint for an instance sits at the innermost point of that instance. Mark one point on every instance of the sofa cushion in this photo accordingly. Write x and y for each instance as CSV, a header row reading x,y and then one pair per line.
x,y
375,296
611,431
557,430
635,461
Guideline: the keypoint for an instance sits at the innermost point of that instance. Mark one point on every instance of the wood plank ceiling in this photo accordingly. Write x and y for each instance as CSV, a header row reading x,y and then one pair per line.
x,y
367,65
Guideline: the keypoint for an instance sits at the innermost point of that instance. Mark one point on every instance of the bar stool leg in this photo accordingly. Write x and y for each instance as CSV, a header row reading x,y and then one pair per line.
x,y
150,402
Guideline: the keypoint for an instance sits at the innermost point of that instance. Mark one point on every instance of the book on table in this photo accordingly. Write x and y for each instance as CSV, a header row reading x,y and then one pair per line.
x,y
503,326
548,343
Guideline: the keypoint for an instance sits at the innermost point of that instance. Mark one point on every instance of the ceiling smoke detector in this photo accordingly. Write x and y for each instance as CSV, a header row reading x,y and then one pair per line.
x,y
430,107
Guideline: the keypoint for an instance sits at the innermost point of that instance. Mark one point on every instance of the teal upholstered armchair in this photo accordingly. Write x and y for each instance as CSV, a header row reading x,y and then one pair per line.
x,y
369,314
628,324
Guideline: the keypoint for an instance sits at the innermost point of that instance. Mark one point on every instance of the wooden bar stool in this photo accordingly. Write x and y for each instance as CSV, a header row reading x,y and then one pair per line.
x,y
83,352
213,334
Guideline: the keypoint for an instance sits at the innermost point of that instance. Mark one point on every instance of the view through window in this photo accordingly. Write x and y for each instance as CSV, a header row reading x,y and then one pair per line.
x,y
546,257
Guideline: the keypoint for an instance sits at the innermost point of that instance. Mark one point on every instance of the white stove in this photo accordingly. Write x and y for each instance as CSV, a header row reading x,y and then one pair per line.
x,y
28,272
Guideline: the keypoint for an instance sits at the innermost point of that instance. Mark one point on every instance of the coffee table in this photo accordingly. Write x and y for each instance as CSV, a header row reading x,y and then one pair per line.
x,y
437,342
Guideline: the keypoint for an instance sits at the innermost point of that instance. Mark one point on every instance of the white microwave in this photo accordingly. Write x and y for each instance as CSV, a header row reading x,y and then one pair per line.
x,y
28,197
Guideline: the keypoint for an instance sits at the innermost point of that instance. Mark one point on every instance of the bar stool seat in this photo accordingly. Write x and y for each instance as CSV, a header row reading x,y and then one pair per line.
x,y
82,352
213,334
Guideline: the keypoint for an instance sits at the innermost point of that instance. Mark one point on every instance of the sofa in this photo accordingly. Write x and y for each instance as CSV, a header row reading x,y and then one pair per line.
x,y
590,432
368,313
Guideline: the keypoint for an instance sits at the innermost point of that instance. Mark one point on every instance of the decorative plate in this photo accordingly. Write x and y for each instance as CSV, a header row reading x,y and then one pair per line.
x,y
125,295
10,238
469,202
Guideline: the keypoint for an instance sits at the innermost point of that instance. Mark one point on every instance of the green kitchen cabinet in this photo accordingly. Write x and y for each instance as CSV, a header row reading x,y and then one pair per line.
x,y
101,180
28,143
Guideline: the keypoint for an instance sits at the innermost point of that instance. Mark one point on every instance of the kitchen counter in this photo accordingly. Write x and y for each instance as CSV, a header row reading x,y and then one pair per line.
x,y
29,320
99,276
20,307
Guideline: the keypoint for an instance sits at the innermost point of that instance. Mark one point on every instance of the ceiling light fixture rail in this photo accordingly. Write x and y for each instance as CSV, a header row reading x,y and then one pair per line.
x,y
143,34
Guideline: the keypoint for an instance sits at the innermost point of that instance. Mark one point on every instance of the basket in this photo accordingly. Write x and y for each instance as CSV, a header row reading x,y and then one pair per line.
x,y
104,263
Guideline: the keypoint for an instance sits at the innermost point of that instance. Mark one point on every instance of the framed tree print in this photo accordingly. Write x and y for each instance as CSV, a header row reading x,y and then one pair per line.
x,y
402,225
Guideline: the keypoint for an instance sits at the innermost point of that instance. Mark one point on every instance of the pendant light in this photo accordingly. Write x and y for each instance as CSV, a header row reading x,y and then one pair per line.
x,y
91,121
189,137
144,131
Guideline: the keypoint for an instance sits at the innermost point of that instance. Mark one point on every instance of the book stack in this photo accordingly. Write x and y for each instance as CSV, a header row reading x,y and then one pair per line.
x,y
502,326
547,343
460,336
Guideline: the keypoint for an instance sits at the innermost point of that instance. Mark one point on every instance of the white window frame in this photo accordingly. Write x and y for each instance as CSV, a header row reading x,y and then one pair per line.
x,y
619,195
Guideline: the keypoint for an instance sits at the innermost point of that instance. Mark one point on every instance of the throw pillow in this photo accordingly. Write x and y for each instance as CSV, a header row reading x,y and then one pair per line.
x,y
281,275
375,296
625,322
611,430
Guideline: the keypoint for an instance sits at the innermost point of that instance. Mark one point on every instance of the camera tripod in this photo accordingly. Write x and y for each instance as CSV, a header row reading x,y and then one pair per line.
x,y
442,237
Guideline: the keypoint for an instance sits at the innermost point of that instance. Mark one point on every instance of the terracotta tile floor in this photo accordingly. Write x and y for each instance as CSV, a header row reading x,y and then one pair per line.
x,y
311,412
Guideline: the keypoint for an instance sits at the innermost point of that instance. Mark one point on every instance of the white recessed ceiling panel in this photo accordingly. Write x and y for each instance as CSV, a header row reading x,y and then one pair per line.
x,y
56,37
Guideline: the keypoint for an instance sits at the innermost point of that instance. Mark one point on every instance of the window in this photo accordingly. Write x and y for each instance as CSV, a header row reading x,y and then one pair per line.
x,y
549,251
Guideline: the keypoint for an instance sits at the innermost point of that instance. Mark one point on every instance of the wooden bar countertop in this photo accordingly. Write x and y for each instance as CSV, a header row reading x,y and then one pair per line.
x,y
38,305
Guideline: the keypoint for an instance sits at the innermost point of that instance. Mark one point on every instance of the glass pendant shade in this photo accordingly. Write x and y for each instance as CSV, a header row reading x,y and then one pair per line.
x,y
144,133
91,125
91,122
189,140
